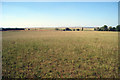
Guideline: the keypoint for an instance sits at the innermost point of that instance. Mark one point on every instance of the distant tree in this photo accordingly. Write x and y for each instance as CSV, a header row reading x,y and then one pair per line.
x,y
114,29
105,28
110,28
56,29
96,29
63,29
118,27
78,29
67,29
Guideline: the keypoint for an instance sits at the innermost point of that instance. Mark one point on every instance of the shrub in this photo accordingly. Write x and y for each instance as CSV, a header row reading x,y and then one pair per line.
x,y
78,29
67,29
73,29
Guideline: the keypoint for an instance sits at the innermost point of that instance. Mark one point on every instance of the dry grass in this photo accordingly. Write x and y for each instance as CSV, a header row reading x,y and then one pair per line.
x,y
64,54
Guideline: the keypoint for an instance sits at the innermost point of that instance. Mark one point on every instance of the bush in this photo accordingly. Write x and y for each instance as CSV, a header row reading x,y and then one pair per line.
x,y
67,29
78,29
73,29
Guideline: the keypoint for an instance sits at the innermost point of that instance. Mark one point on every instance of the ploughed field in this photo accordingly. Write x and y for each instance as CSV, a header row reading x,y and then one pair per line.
x,y
59,54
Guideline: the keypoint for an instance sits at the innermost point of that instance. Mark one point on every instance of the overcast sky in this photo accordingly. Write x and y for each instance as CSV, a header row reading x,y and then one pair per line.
x,y
59,14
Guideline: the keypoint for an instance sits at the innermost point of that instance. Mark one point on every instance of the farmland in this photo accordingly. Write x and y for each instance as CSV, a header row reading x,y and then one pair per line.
x,y
59,54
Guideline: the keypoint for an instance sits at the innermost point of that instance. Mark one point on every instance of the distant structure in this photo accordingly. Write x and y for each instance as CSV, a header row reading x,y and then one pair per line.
x,y
82,28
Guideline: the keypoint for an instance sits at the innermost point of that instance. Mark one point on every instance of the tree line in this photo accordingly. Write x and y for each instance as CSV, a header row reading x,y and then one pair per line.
x,y
7,29
106,28
103,28
68,29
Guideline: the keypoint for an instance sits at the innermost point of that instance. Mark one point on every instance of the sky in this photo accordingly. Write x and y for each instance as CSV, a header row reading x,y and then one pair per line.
x,y
59,14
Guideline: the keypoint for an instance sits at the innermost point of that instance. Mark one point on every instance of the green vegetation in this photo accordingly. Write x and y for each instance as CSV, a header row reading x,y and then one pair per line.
x,y
74,29
105,28
60,54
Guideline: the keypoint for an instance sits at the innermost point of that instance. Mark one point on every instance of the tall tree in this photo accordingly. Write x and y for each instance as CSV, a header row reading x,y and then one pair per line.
x,y
105,28
114,29
118,27
110,28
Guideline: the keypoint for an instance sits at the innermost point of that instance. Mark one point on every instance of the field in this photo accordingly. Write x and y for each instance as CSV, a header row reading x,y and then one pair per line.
x,y
60,54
